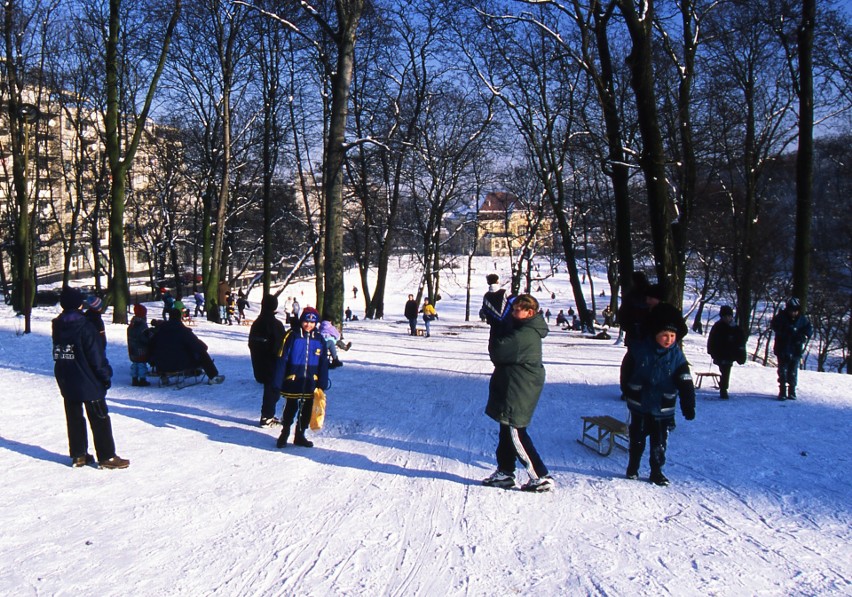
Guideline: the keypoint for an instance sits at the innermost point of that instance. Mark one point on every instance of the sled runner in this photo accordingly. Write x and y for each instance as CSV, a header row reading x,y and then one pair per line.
x,y
182,379
603,433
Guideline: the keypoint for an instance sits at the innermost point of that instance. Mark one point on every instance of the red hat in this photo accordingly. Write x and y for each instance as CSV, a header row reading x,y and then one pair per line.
x,y
310,314
140,310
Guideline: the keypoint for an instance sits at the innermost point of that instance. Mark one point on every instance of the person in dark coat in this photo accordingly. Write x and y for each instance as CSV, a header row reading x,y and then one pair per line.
x,y
513,394
412,310
175,349
655,373
94,313
265,336
634,309
138,337
496,304
792,330
726,346
300,369
83,375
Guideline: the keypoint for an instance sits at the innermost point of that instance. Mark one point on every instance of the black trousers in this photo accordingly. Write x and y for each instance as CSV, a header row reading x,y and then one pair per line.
x,y
514,444
270,401
78,442
300,410
725,375
657,430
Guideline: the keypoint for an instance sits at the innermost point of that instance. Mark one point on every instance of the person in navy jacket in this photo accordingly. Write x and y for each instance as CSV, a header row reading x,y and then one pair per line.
x,y
83,375
301,368
655,374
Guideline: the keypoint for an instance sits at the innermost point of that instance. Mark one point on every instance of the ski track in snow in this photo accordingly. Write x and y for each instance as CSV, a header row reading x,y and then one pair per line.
x,y
389,502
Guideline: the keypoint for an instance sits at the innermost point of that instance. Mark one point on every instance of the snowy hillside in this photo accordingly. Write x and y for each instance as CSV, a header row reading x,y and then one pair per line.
x,y
389,502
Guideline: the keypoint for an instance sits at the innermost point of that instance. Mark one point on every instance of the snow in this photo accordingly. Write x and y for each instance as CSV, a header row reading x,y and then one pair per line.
x,y
389,502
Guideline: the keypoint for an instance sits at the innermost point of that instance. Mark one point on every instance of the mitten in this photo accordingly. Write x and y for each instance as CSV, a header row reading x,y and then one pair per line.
x,y
689,414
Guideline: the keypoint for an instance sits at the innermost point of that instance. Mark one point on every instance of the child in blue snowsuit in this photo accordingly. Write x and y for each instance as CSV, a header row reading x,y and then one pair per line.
x,y
301,368
655,372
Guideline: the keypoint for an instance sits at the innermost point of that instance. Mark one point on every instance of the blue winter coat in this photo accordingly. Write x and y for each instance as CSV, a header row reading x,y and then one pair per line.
x,y
302,364
791,335
80,364
653,377
173,347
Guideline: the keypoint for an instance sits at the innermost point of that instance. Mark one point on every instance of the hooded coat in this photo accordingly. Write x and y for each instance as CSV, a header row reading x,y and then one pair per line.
x,y
174,347
265,337
82,370
518,376
791,335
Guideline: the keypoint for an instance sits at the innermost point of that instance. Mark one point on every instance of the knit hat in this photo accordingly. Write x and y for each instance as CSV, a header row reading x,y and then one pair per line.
x,y
726,311
94,302
309,314
794,304
140,310
70,299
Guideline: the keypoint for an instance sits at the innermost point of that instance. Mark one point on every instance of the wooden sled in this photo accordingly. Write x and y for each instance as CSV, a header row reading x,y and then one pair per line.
x,y
603,433
714,378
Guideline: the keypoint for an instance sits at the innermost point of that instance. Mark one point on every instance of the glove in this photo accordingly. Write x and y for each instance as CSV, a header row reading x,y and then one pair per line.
x,y
107,384
689,414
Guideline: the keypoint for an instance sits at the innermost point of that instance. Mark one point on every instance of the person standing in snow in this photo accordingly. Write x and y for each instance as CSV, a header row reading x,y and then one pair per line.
x,y
300,369
654,373
496,304
429,315
94,313
83,375
726,346
792,330
411,312
265,336
513,394
138,337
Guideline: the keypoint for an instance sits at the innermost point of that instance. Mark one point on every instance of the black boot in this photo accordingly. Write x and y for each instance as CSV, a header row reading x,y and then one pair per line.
x,y
633,465
791,393
282,439
782,392
135,381
301,440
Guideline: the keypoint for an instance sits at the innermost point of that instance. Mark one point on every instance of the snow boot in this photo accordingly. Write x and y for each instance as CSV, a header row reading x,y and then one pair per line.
x,y
658,478
142,383
116,462
135,381
791,393
80,461
335,364
282,439
301,440
782,392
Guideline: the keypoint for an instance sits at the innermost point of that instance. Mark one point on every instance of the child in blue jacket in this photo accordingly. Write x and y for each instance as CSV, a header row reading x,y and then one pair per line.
x,y
655,372
301,368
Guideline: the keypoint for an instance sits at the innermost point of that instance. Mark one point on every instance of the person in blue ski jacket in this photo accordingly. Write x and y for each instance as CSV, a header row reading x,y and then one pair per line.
x,y
655,374
301,368
83,375
792,330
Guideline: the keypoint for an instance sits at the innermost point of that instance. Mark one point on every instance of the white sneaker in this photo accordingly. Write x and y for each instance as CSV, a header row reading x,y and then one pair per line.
x,y
539,485
499,479
216,380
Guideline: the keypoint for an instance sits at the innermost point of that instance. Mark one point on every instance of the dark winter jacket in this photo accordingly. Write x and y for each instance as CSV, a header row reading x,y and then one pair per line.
x,y
496,307
265,338
138,338
652,378
791,335
631,315
80,364
726,343
174,347
95,317
411,309
302,364
518,376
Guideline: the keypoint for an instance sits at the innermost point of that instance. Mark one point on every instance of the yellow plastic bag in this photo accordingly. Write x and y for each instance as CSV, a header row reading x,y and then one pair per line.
x,y
318,411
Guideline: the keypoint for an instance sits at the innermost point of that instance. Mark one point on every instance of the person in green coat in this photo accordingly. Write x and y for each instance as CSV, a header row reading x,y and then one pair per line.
x,y
515,350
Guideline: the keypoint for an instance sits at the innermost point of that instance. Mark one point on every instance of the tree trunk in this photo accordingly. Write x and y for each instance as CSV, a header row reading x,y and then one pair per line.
x,y
805,155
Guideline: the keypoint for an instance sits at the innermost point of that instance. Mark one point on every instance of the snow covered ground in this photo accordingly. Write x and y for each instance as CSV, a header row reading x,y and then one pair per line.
x,y
389,502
